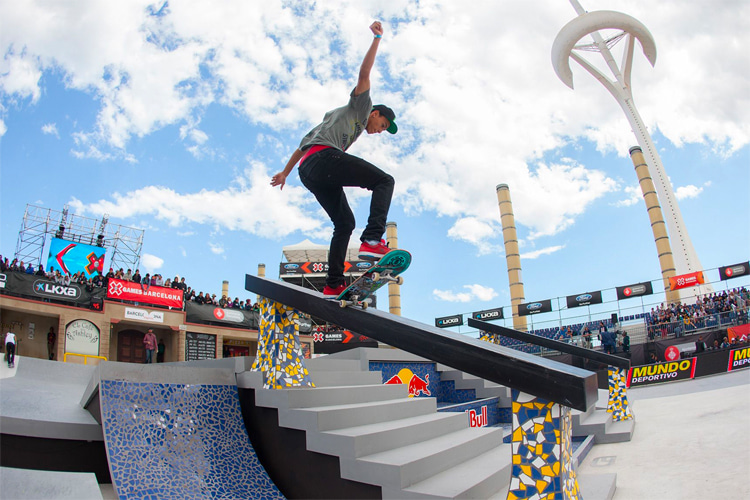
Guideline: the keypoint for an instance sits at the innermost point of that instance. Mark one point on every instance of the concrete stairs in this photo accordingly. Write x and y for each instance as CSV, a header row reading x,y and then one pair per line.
x,y
598,423
383,437
482,388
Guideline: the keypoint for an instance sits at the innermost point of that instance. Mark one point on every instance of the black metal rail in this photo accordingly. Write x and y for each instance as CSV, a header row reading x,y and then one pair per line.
x,y
563,384
556,345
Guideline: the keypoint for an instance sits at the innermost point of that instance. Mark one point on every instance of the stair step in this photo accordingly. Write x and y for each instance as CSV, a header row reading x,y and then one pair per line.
x,y
408,465
308,397
479,477
326,363
353,442
617,432
327,418
338,378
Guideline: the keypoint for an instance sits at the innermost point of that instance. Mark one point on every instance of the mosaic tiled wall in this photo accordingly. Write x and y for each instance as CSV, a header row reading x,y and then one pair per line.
x,y
618,397
179,441
280,358
541,447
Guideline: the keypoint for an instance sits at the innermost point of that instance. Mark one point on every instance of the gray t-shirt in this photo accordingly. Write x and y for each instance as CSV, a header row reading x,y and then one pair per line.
x,y
341,126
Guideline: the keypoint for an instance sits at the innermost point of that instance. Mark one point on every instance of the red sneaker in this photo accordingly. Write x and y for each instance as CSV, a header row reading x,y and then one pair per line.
x,y
373,252
334,291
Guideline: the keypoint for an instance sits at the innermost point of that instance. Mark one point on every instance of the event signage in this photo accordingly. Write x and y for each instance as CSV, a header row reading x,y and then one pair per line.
x,y
151,295
238,318
70,258
199,346
636,290
583,299
82,337
448,321
739,358
686,280
298,268
488,314
661,372
31,285
734,271
144,315
529,308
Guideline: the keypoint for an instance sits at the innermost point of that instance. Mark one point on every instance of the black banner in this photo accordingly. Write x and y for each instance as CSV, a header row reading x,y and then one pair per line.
x,y
39,287
734,271
584,299
301,268
199,346
636,290
488,314
542,306
448,321
238,318
329,342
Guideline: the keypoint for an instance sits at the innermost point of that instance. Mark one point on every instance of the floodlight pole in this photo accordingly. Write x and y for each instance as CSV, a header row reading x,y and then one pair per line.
x,y
685,258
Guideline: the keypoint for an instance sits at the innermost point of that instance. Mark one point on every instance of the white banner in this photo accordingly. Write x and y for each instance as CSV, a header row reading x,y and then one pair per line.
x,y
144,315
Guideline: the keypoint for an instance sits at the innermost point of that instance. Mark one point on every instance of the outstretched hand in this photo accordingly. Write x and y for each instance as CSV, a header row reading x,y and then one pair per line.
x,y
278,180
376,28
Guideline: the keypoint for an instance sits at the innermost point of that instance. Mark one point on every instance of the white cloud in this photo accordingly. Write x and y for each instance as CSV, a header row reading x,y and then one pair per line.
x,y
475,292
685,192
634,195
543,251
50,129
151,263
216,249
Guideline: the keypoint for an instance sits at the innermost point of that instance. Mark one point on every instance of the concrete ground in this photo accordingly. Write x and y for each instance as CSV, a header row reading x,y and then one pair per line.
x,y
691,442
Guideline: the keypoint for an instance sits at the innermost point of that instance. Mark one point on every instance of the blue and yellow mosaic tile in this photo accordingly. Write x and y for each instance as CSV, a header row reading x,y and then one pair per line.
x,y
280,358
618,396
179,441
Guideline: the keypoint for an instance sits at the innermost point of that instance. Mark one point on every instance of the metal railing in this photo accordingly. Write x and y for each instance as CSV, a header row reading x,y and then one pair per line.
x,y
84,356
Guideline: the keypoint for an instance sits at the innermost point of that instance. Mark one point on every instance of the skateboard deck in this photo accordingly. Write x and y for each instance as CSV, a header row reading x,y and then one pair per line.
x,y
384,271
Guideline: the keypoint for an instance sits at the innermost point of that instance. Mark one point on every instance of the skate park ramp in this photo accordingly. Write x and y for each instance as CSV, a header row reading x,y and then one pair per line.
x,y
177,432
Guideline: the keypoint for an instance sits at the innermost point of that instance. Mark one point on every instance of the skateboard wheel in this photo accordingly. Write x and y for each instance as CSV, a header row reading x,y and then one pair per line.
x,y
364,305
342,303
399,280
375,276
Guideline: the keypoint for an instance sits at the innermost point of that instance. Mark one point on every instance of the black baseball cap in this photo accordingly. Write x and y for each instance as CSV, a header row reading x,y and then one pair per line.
x,y
389,114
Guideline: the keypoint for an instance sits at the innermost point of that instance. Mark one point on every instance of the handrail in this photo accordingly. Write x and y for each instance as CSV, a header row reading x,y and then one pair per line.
x,y
545,378
582,352
84,356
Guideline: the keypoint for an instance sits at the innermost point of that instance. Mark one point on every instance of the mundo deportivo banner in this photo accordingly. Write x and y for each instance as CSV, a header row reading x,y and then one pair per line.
x,y
71,258
153,295
661,372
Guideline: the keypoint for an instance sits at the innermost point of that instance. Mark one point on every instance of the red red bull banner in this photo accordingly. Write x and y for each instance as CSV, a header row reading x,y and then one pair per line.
x,y
686,280
152,295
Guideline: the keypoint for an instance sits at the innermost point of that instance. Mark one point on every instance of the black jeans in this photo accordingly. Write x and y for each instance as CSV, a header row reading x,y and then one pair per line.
x,y
10,352
325,174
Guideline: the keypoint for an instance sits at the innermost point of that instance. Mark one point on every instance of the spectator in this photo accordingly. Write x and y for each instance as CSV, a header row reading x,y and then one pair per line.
x,y
724,343
168,283
40,271
176,282
183,285
146,282
149,342
625,342
128,275
51,338
160,349
700,345
137,276
199,299
652,358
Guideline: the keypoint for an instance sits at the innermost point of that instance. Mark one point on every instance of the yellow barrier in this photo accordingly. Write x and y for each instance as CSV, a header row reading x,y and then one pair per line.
x,y
84,356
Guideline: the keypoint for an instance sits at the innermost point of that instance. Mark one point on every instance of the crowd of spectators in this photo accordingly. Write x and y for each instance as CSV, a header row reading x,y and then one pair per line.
x,y
678,319
146,281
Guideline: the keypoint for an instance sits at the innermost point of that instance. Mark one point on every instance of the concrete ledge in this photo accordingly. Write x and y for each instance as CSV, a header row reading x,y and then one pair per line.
x,y
22,484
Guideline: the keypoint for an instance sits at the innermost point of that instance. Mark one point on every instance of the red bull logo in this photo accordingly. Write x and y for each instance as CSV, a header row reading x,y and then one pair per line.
x,y
478,420
417,385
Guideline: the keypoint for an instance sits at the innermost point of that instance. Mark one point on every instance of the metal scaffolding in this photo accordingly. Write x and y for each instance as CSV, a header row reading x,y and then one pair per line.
x,y
123,244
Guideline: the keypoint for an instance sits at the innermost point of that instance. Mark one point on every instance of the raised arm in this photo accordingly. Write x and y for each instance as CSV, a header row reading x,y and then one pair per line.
x,y
363,82
280,178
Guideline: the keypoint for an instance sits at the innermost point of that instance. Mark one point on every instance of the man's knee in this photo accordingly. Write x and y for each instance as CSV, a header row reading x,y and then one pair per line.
x,y
344,225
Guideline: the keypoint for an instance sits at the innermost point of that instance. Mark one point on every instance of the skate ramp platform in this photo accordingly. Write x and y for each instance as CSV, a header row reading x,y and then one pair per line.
x,y
177,432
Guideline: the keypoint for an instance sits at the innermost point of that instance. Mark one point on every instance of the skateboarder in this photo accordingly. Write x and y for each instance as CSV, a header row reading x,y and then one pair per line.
x,y
10,348
325,169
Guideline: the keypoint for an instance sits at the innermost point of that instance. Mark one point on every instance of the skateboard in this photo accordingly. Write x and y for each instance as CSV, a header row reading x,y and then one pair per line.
x,y
384,271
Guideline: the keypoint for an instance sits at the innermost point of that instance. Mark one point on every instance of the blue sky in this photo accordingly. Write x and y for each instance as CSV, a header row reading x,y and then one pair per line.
x,y
172,118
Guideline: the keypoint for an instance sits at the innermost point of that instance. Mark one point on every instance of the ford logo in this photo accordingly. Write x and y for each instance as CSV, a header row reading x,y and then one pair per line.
x,y
534,306
291,266
585,296
364,265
